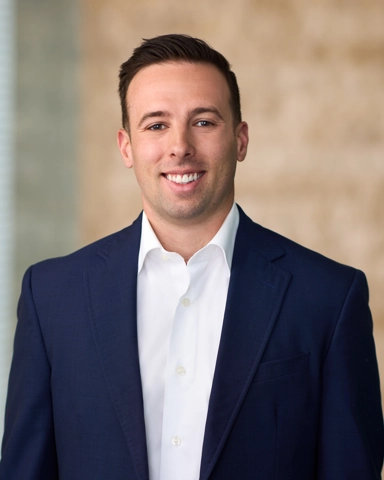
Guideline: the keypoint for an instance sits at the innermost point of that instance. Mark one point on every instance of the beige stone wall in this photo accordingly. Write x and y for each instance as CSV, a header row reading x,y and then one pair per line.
x,y
311,76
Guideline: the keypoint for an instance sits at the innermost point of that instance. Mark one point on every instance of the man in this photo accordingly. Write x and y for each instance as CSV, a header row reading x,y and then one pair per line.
x,y
194,343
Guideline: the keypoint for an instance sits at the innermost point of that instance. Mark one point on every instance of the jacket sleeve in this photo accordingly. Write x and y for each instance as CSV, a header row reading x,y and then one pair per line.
x,y
351,439
28,449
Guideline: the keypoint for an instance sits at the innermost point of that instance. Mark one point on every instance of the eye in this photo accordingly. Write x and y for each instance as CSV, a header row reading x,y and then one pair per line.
x,y
156,126
203,123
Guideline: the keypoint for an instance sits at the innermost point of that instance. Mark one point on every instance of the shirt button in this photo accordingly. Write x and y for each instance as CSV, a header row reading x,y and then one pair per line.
x,y
186,302
176,441
164,257
181,370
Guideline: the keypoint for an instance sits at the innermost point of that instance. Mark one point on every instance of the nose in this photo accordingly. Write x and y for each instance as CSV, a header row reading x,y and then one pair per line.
x,y
181,143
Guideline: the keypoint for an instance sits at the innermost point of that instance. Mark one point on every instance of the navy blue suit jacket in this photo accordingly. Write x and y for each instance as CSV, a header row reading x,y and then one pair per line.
x,y
295,394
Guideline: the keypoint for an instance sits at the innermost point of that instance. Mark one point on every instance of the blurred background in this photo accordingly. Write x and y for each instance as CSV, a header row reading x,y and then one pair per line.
x,y
311,76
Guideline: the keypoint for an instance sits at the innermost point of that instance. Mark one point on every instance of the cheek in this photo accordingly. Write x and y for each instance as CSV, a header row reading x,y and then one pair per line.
x,y
146,164
146,154
225,157
221,146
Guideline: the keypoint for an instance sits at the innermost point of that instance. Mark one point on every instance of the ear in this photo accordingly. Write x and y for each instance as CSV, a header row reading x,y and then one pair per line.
x,y
242,140
124,143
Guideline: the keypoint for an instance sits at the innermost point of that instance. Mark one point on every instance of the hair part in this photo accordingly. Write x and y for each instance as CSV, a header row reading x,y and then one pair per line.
x,y
175,48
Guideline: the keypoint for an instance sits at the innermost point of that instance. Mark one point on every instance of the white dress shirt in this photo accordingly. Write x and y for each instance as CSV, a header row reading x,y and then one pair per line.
x,y
180,309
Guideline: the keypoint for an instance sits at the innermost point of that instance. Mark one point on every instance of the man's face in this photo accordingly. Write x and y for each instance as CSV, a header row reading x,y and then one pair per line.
x,y
183,144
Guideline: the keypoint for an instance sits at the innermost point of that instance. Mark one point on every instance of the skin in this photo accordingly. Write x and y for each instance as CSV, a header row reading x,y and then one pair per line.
x,y
181,123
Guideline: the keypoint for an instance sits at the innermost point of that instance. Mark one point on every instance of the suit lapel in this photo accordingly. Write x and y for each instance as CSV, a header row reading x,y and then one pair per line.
x,y
255,295
111,290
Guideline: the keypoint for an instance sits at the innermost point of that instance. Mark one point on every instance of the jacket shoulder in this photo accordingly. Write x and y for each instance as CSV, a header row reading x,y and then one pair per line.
x,y
93,254
292,256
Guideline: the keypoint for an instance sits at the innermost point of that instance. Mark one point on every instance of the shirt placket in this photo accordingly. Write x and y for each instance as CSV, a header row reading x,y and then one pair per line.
x,y
179,381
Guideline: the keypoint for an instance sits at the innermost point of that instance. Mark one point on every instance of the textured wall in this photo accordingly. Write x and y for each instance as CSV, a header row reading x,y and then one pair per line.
x,y
311,76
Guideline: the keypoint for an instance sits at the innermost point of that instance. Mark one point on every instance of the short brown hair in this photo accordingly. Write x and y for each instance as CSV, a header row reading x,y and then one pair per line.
x,y
179,48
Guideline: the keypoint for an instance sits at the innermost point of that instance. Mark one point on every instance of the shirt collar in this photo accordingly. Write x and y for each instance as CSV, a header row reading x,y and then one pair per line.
x,y
224,238
148,241
226,235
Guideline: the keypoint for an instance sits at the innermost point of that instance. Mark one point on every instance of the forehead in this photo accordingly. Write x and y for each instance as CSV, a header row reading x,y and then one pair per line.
x,y
177,82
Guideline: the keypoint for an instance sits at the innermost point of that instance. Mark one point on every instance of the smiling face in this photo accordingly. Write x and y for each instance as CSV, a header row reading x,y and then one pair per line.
x,y
183,144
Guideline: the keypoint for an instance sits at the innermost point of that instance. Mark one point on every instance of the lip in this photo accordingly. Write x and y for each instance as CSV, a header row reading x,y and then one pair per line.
x,y
183,172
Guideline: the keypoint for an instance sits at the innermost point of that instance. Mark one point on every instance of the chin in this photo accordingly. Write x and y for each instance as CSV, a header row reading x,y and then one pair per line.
x,y
185,212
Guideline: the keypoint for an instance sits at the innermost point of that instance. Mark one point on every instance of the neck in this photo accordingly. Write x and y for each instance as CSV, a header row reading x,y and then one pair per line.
x,y
186,238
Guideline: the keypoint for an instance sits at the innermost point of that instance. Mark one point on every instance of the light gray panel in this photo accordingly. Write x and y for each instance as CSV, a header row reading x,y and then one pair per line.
x,y
6,191
38,166
46,137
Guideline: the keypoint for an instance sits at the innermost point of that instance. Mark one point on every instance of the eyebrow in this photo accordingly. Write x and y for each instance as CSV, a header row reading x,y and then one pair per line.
x,y
195,111
199,110
159,113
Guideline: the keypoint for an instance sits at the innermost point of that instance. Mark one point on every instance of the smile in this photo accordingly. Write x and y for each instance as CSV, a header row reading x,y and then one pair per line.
x,y
186,178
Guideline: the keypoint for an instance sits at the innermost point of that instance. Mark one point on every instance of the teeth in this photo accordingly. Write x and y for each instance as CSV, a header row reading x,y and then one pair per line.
x,y
184,178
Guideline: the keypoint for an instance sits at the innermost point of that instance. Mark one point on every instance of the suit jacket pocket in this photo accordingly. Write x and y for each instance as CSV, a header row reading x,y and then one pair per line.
x,y
282,367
